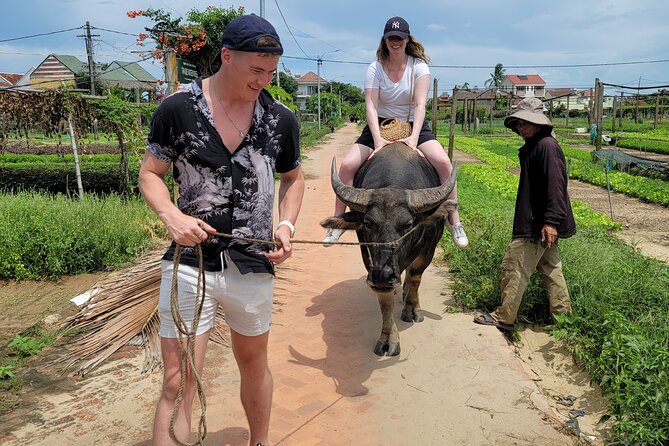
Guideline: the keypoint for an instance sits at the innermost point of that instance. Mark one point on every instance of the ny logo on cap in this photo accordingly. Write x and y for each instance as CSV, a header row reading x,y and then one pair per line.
x,y
396,25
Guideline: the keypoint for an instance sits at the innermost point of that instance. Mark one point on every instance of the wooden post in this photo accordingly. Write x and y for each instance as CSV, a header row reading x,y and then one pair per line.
x,y
435,99
657,110
638,99
77,168
620,106
566,123
454,110
475,116
492,103
171,71
613,115
465,116
599,111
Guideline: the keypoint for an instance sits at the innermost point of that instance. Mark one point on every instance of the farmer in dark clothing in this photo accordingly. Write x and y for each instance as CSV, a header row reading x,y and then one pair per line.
x,y
543,214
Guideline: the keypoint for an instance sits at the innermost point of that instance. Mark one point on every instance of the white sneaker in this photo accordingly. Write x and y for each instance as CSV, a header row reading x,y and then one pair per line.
x,y
458,233
331,236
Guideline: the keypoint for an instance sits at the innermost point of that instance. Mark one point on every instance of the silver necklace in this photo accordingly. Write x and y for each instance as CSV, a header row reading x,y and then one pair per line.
x,y
242,134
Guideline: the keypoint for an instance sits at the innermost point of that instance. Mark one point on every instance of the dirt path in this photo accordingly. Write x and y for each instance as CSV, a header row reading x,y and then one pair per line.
x,y
454,383
644,224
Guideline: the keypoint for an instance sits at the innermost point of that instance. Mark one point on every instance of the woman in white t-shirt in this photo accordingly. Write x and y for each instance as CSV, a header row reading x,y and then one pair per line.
x,y
388,95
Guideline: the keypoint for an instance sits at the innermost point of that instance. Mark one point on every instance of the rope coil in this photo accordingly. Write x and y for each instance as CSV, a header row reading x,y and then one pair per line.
x,y
187,353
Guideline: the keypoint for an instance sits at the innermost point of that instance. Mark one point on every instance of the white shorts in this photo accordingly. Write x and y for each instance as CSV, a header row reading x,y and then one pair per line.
x,y
246,299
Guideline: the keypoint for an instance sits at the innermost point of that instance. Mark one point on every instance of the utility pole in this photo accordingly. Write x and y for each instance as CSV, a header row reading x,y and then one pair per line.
x,y
262,8
89,51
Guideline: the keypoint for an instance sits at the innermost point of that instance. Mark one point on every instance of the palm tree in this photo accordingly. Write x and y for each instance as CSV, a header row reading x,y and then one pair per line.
x,y
496,77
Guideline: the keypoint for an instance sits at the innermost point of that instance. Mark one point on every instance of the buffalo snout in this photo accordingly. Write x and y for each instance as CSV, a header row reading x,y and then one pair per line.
x,y
383,278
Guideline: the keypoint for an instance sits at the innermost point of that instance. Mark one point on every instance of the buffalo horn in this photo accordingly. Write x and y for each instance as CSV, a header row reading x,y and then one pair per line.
x,y
421,200
355,198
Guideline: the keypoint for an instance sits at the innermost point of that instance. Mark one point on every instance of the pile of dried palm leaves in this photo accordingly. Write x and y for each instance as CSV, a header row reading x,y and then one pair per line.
x,y
124,308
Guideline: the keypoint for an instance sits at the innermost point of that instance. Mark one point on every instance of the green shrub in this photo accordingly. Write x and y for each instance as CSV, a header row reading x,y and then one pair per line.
x,y
99,178
7,372
24,346
50,236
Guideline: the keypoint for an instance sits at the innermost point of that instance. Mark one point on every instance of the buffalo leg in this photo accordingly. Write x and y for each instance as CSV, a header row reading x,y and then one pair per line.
x,y
389,342
414,274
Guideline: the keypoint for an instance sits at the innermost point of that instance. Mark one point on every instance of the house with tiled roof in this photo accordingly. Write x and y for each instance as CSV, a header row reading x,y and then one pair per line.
x,y
307,85
524,85
56,70
127,75
9,79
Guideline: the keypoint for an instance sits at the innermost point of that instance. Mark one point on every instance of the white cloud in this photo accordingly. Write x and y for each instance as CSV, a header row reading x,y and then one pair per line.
x,y
436,27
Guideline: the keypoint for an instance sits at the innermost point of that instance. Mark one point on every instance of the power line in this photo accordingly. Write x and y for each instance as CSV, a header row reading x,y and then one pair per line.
x,y
487,67
610,64
114,31
654,87
291,33
40,35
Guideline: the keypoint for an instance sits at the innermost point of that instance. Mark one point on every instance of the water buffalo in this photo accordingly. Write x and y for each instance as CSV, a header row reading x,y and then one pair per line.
x,y
396,195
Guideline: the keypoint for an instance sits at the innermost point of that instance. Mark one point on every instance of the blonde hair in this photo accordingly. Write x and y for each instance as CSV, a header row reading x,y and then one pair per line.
x,y
413,48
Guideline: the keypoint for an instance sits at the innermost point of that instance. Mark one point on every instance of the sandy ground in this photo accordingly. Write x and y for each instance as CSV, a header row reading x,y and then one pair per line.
x,y
454,383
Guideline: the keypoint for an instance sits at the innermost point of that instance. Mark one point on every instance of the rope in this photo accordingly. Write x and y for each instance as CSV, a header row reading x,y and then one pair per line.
x,y
188,353
394,244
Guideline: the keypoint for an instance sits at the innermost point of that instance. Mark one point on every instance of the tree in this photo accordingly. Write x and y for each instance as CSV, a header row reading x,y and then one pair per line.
x,y
349,93
329,104
197,40
358,112
288,83
496,77
120,116
282,96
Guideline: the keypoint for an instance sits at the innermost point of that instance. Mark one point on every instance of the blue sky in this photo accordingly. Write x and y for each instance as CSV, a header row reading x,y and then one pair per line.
x,y
477,33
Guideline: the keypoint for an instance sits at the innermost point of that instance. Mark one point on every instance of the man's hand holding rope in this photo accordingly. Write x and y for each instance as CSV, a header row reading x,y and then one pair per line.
x,y
281,253
188,231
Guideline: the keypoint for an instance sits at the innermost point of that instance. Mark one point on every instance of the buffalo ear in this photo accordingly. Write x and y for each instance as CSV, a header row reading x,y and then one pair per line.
x,y
445,207
348,220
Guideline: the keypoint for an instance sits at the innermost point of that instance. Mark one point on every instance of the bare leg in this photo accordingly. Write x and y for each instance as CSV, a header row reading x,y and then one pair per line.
x,y
171,382
256,383
435,154
349,166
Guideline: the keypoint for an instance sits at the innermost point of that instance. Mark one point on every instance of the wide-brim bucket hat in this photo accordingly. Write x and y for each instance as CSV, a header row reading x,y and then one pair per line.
x,y
530,110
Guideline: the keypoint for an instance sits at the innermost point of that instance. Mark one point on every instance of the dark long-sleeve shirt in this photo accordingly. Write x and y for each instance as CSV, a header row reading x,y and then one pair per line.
x,y
542,190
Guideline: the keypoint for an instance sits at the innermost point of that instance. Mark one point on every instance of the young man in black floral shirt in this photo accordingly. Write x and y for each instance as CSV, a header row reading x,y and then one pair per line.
x,y
225,137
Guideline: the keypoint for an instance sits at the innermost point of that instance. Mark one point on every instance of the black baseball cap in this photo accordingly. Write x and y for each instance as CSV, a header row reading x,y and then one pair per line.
x,y
243,33
396,26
